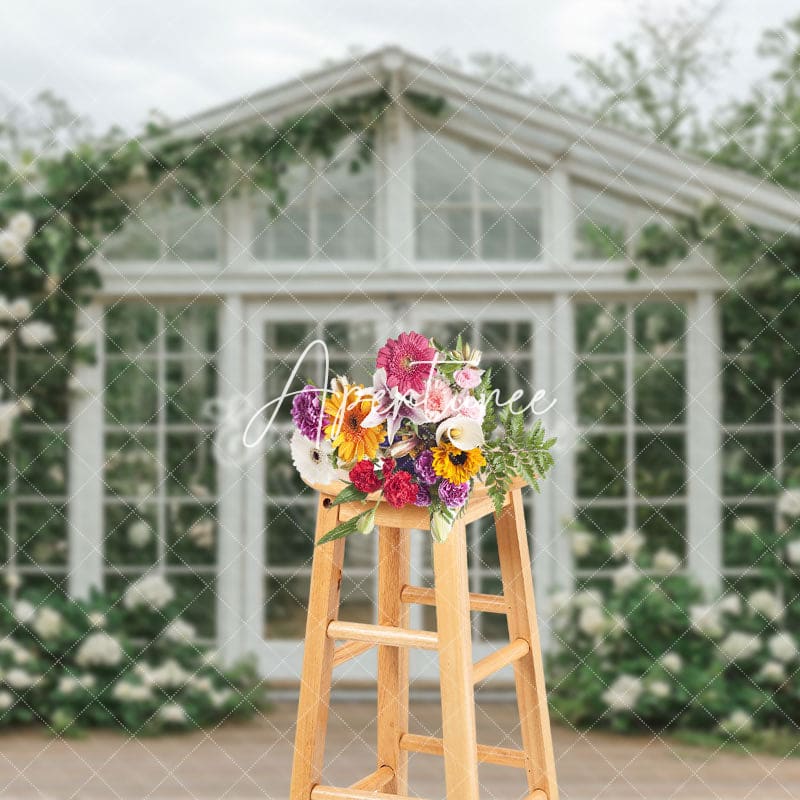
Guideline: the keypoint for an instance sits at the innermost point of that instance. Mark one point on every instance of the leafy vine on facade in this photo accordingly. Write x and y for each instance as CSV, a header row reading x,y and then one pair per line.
x,y
55,217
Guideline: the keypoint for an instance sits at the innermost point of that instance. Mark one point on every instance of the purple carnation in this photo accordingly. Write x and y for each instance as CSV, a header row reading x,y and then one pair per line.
x,y
306,412
423,466
423,497
453,495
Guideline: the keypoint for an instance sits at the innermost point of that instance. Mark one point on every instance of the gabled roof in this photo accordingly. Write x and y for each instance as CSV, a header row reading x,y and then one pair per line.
x,y
523,128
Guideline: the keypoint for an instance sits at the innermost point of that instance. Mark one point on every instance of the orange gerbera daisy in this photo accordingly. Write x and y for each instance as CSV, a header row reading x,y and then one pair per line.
x,y
346,410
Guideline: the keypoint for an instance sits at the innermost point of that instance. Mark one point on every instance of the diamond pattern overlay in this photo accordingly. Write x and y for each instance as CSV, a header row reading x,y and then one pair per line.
x,y
456,227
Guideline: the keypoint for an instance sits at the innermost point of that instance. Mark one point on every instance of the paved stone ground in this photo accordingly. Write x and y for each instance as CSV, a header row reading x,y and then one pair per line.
x,y
253,760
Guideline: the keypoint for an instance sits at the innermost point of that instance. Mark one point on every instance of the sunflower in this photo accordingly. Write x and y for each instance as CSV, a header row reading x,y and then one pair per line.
x,y
346,410
457,466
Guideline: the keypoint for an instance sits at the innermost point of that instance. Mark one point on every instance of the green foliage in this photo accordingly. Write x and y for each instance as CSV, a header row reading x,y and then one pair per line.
x,y
652,653
516,451
72,665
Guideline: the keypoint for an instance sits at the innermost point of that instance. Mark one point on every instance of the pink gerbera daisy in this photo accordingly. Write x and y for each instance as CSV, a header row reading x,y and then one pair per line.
x,y
408,361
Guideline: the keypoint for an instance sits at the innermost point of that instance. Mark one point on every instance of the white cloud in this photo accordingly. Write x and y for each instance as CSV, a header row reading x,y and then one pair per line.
x,y
116,61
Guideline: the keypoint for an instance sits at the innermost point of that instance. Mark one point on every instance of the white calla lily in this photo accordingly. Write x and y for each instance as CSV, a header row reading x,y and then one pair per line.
x,y
462,432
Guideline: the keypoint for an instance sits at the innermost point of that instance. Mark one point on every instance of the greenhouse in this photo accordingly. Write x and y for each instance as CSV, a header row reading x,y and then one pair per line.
x,y
469,210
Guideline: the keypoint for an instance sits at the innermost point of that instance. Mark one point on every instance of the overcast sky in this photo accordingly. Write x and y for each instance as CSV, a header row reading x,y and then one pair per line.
x,y
114,61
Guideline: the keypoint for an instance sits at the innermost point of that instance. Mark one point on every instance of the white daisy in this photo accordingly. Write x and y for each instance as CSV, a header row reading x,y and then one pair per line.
x,y
312,462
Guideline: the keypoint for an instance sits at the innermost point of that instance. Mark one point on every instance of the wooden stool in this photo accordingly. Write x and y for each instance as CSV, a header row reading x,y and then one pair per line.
x,y
453,640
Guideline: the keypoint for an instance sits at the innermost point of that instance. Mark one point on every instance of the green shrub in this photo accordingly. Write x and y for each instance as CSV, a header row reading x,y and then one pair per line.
x,y
652,654
129,662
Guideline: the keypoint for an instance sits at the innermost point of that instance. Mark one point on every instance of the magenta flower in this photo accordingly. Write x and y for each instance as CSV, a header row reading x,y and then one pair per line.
x,y
408,361
307,413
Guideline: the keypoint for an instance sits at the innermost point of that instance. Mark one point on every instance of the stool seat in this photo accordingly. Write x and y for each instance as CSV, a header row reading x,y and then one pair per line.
x,y
479,505
452,641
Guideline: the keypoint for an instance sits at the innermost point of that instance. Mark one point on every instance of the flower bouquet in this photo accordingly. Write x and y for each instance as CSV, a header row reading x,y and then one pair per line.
x,y
423,434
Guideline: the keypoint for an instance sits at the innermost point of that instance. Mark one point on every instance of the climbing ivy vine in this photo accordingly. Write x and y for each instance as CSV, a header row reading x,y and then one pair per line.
x,y
75,201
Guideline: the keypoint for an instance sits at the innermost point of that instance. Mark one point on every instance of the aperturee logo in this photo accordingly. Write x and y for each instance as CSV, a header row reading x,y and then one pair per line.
x,y
428,427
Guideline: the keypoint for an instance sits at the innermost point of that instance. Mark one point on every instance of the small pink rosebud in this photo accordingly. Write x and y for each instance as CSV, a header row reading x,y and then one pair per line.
x,y
468,377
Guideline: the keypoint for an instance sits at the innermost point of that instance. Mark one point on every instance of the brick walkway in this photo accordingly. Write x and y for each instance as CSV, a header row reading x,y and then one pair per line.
x,y
253,761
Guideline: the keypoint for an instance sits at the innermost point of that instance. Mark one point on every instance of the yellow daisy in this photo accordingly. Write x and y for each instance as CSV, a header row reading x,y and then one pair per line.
x,y
457,466
346,410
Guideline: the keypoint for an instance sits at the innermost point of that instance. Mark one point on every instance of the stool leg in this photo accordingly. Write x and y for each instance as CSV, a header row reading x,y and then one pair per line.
x,y
455,665
515,568
394,553
315,684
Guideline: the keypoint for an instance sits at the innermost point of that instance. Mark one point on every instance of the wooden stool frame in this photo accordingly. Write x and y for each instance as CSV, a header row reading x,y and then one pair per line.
x,y
453,640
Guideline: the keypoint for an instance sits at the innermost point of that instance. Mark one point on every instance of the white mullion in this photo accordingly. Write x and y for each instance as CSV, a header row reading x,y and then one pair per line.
x,y
540,506
231,607
564,415
86,437
254,564
313,210
161,444
12,472
704,402
475,245
630,422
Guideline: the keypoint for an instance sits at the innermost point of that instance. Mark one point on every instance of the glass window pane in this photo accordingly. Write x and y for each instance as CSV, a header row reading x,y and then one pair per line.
x,y
131,537
42,534
139,238
659,328
600,329
286,604
747,462
663,527
131,467
193,234
600,390
507,184
601,466
189,462
190,387
191,534
660,392
442,171
346,233
41,463
191,329
660,467
600,224
444,233
131,328
290,534
131,394
747,396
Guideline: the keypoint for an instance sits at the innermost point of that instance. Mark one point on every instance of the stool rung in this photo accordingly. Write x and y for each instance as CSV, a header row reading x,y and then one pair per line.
x,y
489,603
334,793
382,634
345,652
494,662
488,754
375,781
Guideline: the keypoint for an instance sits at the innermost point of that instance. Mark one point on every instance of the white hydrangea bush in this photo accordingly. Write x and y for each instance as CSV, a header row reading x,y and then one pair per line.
x,y
651,652
131,662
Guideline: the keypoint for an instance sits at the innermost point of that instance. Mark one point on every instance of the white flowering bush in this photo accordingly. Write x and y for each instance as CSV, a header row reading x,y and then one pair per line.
x,y
652,653
129,662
